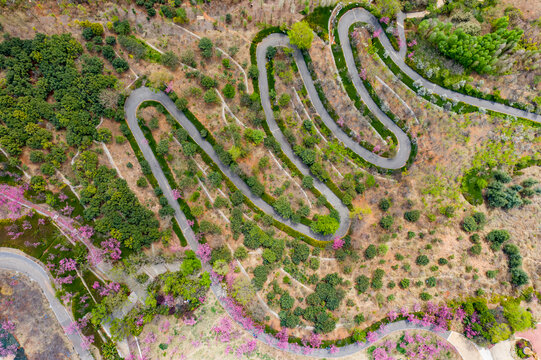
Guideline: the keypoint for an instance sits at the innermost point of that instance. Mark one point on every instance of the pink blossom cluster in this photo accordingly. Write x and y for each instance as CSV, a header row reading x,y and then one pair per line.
x,y
66,298
176,194
338,243
223,329
86,231
30,244
376,33
164,326
204,252
362,74
12,196
62,197
246,348
26,225
66,264
410,55
412,43
41,221
150,338
14,235
8,326
238,314
385,20
67,210
111,247
112,287
95,256
64,280
87,341
282,337
169,300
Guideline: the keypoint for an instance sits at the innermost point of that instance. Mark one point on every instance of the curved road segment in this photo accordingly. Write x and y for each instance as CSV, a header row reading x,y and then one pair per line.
x,y
143,94
361,15
404,147
11,260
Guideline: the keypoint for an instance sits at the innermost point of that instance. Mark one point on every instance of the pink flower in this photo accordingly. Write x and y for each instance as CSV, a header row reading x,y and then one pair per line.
x,y
176,194
385,20
338,243
371,336
204,252
376,33
362,73
392,315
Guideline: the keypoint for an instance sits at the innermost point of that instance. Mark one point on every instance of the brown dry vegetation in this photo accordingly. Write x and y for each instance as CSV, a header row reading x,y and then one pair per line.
x,y
36,327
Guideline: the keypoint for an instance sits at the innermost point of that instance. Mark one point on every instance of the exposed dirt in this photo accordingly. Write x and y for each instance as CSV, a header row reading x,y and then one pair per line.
x,y
36,327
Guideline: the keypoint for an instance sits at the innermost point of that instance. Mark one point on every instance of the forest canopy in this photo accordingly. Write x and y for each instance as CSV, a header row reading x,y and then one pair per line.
x,y
43,82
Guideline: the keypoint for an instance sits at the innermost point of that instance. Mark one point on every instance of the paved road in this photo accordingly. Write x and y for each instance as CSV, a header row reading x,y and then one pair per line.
x,y
362,15
404,146
145,94
14,260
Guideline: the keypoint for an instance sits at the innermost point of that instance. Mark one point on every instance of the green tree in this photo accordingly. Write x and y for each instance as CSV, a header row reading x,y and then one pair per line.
x,y
284,99
325,224
301,35
229,91
370,252
519,318
412,216
386,222
388,8
205,45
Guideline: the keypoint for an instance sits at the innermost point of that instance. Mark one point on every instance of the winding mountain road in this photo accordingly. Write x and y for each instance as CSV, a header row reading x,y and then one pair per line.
x,y
137,97
140,95
363,16
14,260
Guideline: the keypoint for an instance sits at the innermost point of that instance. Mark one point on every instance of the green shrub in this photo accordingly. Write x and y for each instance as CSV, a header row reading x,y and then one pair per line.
x,y
370,252
442,261
425,296
476,249
386,222
469,224
384,204
412,216
518,277
497,238
362,283
404,283
431,281
422,260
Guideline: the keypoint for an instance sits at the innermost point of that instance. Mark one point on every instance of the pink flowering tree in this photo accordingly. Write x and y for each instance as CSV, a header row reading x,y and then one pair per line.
x,y
204,252
111,247
338,243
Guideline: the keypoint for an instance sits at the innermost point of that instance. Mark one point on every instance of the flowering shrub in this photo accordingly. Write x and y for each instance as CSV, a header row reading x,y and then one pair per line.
x,y
338,243
111,247
412,347
204,252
